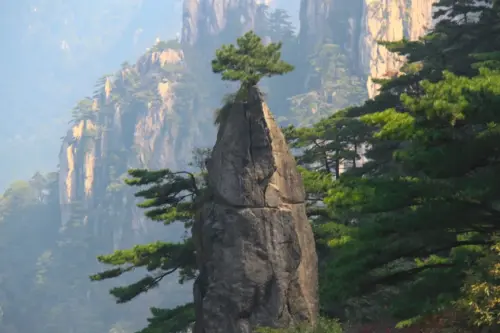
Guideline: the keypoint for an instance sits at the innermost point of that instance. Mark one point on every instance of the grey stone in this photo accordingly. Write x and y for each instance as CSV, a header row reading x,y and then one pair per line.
x,y
255,246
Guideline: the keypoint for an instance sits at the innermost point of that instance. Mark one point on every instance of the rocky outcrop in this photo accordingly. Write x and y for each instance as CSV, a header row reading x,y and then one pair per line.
x,y
208,24
390,20
205,19
255,246
331,21
136,120
357,25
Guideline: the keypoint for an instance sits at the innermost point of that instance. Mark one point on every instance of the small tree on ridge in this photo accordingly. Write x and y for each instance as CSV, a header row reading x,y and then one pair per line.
x,y
249,60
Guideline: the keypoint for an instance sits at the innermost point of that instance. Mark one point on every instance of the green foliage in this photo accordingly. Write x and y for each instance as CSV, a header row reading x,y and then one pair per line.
x,y
249,61
323,326
279,26
228,101
275,24
83,110
177,320
422,214
159,258
169,197
333,86
165,45
482,291
331,69
407,232
328,144
29,210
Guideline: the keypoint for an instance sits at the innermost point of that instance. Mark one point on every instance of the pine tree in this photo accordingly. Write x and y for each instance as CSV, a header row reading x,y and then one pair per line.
x,y
168,197
280,27
330,144
424,212
249,60
392,225
439,209
176,196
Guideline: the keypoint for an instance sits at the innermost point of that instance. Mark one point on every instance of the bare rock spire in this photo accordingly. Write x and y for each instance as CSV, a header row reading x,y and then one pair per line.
x,y
255,246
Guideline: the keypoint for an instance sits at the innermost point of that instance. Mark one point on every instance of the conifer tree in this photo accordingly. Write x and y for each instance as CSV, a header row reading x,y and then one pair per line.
x,y
439,211
424,211
407,220
168,197
249,60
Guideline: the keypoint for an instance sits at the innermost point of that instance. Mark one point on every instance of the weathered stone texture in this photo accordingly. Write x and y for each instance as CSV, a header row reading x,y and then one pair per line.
x,y
256,252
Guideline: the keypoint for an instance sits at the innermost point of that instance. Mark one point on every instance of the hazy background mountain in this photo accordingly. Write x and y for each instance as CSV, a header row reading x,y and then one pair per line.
x,y
52,53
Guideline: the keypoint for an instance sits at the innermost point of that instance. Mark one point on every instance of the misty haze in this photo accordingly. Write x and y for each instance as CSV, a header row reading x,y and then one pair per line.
x,y
238,166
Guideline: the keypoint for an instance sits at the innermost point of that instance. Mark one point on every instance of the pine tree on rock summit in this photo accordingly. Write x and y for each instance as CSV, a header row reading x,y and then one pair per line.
x,y
249,60
175,196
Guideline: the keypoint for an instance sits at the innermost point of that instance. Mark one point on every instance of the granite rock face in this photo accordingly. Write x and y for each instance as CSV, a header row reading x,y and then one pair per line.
x,y
205,19
390,21
255,246
357,25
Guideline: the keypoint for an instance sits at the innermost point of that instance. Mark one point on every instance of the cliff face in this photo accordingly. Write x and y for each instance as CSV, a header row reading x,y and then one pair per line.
x,y
143,116
203,19
331,21
357,25
150,115
255,246
391,21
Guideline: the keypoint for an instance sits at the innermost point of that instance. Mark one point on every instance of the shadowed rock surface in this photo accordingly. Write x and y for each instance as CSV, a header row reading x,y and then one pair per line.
x,y
255,246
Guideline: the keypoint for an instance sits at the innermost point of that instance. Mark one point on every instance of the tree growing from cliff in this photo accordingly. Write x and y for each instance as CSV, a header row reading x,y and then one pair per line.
x,y
175,196
249,60
169,197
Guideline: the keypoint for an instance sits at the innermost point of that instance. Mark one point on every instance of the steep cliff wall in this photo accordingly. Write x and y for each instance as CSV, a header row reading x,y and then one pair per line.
x,y
331,21
209,23
207,18
357,25
145,115
390,20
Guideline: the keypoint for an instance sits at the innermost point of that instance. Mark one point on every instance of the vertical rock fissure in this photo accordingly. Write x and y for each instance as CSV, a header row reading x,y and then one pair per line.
x,y
250,144
262,273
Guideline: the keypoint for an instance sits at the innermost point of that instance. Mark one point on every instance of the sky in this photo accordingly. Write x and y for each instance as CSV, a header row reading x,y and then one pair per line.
x,y
52,53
